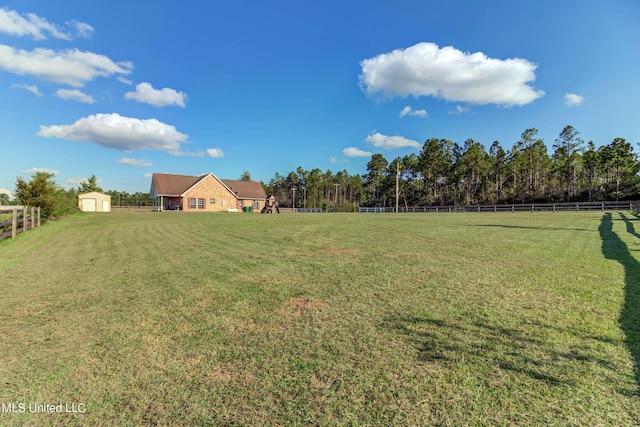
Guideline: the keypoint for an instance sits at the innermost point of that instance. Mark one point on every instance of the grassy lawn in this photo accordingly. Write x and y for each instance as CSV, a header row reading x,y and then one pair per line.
x,y
324,319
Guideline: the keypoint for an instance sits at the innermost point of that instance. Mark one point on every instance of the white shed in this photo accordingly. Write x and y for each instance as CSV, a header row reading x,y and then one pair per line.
x,y
94,202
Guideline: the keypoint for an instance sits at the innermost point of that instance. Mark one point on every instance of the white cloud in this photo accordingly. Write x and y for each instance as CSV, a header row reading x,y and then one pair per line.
x,y
187,153
334,160
391,142
148,174
460,110
74,95
448,73
355,152
158,98
210,152
408,111
71,67
119,132
30,88
11,22
573,100
36,170
8,193
76,181
30,24
124,80
134,162
81,29
215,152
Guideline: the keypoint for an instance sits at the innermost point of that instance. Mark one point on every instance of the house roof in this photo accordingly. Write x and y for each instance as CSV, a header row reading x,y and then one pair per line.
x,y
246,189
163,184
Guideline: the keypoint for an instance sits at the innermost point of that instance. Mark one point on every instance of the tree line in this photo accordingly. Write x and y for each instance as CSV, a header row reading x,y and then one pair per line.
x,y
447,173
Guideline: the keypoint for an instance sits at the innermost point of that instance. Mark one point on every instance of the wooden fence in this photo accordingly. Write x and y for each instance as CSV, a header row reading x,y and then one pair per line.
x,y
22,219
527,207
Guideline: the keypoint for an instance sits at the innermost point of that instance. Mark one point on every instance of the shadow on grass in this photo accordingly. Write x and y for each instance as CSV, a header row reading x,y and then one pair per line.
x,y
525,350
532,228
614,248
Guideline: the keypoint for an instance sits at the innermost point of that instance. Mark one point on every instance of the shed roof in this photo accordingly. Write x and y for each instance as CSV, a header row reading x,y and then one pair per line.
x,y
93,194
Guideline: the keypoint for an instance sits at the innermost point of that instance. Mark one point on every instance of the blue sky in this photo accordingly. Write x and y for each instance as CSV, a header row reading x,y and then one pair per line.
x,y
122,89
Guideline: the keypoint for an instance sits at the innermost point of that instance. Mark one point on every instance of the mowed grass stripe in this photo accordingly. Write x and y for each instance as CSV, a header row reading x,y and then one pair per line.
x,y
206,319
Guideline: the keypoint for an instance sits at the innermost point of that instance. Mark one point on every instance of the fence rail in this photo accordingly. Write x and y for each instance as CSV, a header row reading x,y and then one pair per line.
x,y
527,207
22,219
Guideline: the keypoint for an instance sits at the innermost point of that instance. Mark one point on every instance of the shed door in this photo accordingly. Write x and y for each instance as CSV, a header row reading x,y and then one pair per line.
x,y
105,206
89,205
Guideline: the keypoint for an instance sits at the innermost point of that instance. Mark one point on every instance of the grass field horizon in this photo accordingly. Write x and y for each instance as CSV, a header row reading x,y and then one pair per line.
x,y
326,319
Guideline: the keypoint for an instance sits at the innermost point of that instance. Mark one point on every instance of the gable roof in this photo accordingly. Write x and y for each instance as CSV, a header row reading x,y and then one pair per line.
x,y
164,184
246,189
93,194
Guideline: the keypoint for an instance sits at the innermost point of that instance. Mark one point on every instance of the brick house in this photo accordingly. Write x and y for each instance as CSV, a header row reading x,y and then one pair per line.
x,y
205,193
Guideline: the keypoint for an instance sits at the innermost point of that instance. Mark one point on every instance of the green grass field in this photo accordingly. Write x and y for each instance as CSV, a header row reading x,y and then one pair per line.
x,y
324,319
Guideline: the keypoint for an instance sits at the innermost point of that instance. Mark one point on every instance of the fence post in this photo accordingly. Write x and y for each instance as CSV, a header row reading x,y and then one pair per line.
x,y
33,217
14,224
25,219
38,217
513,208
577,207
554,207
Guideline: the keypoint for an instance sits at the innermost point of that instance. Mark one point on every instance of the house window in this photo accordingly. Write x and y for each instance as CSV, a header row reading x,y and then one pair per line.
x,y
212,201
192,202
200,203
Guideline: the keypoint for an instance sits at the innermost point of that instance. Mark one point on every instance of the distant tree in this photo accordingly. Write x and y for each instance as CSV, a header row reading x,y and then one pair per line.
x,y
4,199
535,157
67,201
40,191
474,169
568,146
590,161
246,176
90,185
376,168
620,164
498,163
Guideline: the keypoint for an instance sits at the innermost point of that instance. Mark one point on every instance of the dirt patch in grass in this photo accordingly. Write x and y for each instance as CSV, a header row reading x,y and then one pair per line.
x,y
302,303
298,306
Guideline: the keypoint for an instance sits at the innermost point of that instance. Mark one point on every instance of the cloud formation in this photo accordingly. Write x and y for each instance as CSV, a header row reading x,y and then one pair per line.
x,y
355,152
158,98
9,194
425,69
74,95
30,24
119,132
408,111
35,170
72,67
29,88
459,110
77,180
214,152
573,100
391,142
134,162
